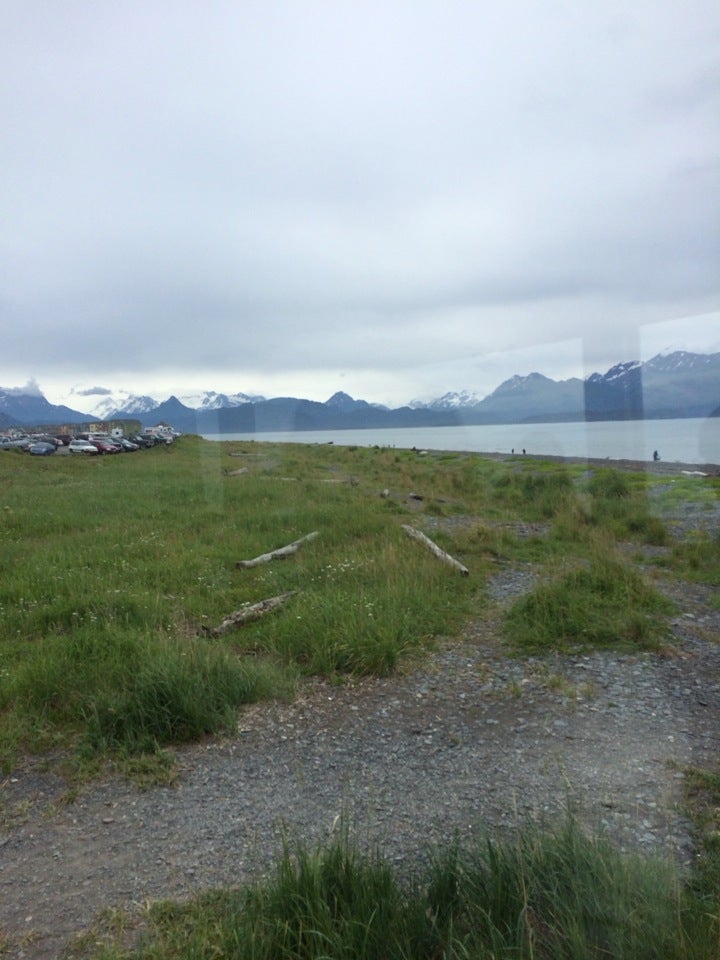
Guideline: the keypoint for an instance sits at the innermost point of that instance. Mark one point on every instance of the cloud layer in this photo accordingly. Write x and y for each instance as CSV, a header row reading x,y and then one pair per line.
x,y
340,195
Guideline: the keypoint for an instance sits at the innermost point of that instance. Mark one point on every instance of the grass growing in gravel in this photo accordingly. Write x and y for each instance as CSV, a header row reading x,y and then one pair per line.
x,y
702,794
543,895
111,569
604,603
619,503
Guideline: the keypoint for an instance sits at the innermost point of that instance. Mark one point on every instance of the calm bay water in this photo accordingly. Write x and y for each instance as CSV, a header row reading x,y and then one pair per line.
x,y
684,441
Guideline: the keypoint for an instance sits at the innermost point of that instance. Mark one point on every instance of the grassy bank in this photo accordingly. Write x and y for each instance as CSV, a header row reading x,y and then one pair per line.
x,y
544,895
114,569
114,572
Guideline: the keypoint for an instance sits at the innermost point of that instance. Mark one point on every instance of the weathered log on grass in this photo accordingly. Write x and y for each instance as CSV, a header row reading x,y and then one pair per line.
x,y
248,614
237,473
435,549
276,554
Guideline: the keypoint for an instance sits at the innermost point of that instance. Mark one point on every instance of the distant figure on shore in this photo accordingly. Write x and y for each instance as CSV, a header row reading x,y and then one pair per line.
x,y
523,451
656,456
513,450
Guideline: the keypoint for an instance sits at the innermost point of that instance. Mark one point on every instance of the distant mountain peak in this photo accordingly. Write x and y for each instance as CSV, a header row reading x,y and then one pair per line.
x,y
212,400
452,400
670,385
123,404
339,399
621,370
345,403
518,383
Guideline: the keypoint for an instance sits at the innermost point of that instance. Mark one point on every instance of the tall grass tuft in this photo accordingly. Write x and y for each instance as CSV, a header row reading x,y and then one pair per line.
x,y
619,503
172,698
602,604
119,690
541,895
535,494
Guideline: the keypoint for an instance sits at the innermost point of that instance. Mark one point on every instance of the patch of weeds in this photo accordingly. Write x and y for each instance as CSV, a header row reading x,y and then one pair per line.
x,y
145,770
498,542
540,894
702,796
535,494
394,506
561,685
609,485
697,558
619,503
170,698
105,938
605,604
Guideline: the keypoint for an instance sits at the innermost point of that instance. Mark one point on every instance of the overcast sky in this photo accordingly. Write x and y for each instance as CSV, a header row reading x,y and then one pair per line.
x,y
390,198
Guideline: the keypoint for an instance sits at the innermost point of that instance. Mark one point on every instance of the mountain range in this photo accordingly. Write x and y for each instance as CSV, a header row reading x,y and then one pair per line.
x,y
673,385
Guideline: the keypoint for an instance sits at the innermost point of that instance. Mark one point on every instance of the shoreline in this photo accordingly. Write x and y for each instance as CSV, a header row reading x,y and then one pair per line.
x,y
659,467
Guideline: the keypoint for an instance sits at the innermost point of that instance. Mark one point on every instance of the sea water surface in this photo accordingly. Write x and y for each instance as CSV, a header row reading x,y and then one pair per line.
x,y
695,441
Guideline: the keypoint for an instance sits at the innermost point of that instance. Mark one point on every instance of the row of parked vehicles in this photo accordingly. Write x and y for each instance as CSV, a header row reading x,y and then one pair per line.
x,y
43,445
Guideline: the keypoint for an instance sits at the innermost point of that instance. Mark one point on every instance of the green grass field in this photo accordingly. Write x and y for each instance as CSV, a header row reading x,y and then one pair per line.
x,y
115,571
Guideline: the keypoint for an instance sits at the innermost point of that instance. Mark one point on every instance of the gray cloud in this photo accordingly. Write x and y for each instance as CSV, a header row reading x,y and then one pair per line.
x,y
93,392
231,192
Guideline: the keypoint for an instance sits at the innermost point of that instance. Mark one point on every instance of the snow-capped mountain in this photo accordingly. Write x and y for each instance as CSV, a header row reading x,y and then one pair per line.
x,y
449,401
616,372
677,384
122,402
210,400
671,384
27,404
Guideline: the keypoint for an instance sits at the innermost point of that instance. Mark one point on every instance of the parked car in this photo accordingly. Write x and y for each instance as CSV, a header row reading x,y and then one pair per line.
x,y
82,446
22,442
41,448
127,446
104,445
5,443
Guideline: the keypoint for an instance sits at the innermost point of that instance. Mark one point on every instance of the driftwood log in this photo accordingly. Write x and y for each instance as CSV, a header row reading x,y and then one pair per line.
x,y
435,549
237,473
248,613
277,554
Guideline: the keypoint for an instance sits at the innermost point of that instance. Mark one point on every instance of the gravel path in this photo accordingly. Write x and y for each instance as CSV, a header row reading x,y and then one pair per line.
x,y
466,741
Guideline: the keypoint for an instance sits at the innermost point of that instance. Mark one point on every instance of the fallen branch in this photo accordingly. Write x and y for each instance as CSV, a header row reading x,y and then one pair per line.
x,y
276,554
248,613
434,548
237,473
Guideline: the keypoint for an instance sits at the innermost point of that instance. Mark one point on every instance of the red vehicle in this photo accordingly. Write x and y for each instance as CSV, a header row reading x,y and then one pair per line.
x,y
104,445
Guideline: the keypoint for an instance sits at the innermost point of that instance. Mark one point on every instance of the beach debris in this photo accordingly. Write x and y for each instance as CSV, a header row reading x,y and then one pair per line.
x,y
248,613
278,554
435,549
